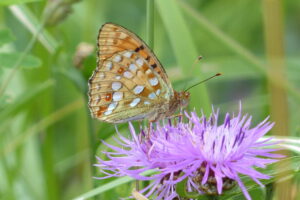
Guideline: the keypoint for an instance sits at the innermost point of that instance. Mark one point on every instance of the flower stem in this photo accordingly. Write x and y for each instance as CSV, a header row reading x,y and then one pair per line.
x,y
269,191
276,69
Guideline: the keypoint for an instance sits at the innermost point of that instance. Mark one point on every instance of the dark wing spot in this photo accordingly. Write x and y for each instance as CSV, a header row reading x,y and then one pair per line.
x,y
148,58
154,65
139,48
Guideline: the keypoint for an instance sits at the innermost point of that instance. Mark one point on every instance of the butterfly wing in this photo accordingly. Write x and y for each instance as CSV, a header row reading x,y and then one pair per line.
x,y
129,83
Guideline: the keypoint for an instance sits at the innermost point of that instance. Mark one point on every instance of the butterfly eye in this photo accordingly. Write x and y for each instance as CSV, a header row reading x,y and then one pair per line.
x,y
186,94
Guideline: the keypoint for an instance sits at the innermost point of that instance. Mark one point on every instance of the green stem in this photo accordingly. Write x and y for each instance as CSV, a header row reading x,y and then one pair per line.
x,y
274,43
269,191
150,23
93,144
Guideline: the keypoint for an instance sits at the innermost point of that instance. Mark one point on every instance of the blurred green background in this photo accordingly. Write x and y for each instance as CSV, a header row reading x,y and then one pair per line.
x,y
48,139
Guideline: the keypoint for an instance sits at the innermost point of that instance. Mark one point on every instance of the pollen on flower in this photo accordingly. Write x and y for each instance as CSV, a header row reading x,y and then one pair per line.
x,y
207,155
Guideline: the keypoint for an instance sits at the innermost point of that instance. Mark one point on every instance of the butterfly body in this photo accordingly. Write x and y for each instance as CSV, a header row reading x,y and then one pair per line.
x,y
129,83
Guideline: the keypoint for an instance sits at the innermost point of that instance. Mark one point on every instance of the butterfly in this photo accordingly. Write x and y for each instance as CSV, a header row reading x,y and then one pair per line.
x,y
129,82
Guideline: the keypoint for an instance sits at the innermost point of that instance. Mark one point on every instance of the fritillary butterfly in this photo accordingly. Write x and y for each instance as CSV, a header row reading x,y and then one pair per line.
x,y
129,82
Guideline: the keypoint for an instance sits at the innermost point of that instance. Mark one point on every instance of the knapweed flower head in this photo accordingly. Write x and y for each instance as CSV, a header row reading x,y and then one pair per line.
x,y
206,155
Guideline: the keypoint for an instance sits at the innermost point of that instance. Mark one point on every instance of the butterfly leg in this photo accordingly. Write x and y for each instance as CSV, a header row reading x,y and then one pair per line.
x,y
179,115
149,129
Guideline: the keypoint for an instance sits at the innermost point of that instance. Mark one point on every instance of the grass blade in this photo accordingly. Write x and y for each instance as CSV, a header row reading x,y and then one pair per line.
x,y
184,49
41,125
25,16
108,186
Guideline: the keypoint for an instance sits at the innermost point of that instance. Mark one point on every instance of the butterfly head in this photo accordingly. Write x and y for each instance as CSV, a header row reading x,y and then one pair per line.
x,y
183,98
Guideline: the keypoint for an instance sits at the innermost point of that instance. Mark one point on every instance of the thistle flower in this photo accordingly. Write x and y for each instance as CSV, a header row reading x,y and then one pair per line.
x,y
209,157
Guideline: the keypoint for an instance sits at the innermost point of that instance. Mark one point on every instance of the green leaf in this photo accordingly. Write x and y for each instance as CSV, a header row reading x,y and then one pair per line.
x,y
11,2
9,59
5,36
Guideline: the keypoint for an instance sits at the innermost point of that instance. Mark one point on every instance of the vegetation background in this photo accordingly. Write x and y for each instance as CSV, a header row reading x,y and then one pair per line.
x,y
48,140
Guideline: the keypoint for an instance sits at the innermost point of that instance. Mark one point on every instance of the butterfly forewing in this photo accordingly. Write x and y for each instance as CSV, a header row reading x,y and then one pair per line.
x,y
129,82
113,38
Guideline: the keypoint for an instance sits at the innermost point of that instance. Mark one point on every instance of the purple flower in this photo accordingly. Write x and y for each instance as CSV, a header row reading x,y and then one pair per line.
x,y
207,156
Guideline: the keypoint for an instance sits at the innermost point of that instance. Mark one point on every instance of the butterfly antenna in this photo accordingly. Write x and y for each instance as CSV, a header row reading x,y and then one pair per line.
x,y
197,61
218,74
194,65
